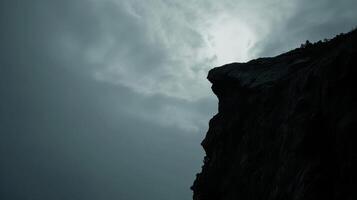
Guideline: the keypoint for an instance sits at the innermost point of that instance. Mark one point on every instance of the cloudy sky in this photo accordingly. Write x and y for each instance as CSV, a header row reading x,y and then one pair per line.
x,y
108,99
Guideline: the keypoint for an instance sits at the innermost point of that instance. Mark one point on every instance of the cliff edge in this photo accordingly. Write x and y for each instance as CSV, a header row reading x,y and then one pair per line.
x,y
286,127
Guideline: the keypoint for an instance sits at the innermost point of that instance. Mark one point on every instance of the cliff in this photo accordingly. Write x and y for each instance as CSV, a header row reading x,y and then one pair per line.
x,y
285,128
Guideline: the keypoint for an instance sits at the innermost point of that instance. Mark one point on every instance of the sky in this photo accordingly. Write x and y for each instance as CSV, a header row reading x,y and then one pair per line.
x,y
108,99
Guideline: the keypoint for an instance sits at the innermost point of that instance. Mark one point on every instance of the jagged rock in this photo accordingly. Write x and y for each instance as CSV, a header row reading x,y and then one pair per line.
x,y
286,127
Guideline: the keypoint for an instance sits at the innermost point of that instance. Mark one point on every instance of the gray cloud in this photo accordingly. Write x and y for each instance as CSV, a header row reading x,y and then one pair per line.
x,y
65,135
107,99
142,47
309,21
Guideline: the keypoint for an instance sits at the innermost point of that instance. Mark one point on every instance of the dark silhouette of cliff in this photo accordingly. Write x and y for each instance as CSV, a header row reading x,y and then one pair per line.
x,y
286,127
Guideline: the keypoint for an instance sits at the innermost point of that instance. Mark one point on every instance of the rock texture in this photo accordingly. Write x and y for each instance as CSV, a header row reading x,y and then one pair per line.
x,y
286,127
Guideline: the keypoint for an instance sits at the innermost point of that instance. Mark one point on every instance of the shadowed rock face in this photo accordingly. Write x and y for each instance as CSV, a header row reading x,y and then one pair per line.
x,y
286,127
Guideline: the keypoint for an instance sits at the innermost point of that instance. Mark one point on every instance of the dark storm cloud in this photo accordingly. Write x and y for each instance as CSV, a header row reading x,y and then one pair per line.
x,y
65,135
107,99
105,40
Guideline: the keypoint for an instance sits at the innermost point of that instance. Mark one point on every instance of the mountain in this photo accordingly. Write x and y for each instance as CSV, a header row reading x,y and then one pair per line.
x,y
286,126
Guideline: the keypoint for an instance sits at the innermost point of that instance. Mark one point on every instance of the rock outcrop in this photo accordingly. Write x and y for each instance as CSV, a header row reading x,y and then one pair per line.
x,y
286,127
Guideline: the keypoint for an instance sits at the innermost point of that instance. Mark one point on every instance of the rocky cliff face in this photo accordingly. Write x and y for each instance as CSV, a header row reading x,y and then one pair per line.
x,y
286,127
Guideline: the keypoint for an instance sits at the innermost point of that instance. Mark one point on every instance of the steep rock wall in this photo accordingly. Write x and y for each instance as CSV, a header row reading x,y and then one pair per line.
x,y
286,127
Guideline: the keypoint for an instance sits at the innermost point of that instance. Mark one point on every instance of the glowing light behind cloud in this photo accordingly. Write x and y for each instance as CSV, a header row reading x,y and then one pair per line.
x,y
230,40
